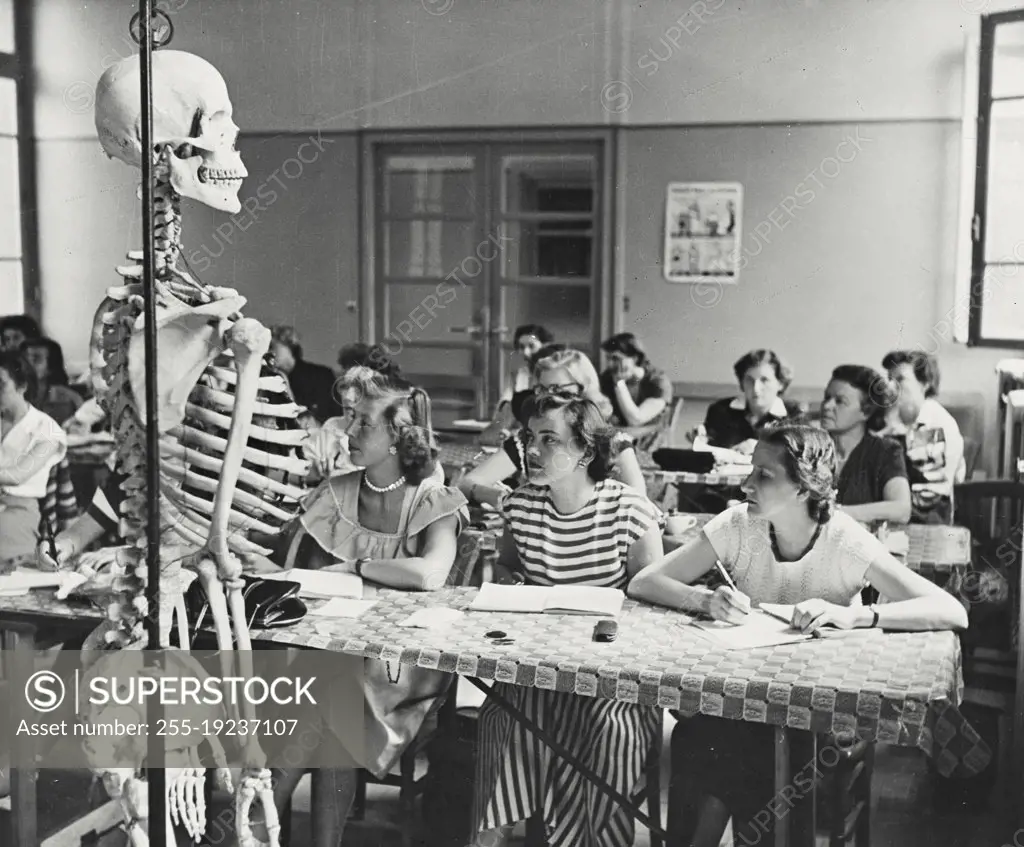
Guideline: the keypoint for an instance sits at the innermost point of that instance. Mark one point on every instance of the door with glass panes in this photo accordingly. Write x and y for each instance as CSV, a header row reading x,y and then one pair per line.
x,y
469,241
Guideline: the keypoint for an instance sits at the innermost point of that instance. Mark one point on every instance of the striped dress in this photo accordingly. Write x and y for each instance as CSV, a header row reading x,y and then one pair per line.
x,y
517,775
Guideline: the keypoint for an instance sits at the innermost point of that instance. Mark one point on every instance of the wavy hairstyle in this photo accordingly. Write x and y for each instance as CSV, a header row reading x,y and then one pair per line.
x,y
627,344
877,393
809,455
590,429
406,414
925,366
763,356
582,371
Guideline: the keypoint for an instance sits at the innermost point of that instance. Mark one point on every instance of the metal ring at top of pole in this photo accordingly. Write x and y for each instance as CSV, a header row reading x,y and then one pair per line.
x,y
155,758
160,35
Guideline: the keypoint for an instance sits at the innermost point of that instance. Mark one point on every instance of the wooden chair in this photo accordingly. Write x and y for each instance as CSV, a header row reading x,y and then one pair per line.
x,y
19,825
993,662
846,795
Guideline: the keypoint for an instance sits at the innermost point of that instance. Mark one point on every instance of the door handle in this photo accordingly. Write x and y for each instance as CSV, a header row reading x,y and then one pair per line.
x,y
472,331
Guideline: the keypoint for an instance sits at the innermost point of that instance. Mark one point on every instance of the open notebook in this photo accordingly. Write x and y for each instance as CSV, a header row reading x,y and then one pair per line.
x,y
322,584
766,626
543,599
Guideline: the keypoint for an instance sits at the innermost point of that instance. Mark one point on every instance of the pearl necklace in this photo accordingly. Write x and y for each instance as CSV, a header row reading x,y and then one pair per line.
x,y
398,483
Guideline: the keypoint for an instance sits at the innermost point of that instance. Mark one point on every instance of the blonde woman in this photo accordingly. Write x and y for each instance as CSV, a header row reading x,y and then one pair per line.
x,y
568,374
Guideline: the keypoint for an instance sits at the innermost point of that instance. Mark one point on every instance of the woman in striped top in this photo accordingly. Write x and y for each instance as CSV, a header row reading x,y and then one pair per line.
x,y
568,373
569,523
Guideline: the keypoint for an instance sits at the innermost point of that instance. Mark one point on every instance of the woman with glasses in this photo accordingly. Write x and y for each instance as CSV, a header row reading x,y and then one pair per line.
x,y
569,524
528,340
567,374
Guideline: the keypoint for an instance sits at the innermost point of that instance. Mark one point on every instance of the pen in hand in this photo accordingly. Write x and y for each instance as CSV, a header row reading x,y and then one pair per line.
x,y
728,581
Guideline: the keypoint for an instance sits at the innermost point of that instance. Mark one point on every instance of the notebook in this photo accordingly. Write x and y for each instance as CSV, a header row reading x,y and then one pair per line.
x,y
322,584
758,629
784,612
553,600
23,580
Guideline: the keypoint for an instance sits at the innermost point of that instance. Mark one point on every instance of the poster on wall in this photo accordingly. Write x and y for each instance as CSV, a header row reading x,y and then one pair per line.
x,y
702,231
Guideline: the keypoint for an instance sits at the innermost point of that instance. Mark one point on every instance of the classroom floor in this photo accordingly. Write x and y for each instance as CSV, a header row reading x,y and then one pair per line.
x,y
903,814
902,811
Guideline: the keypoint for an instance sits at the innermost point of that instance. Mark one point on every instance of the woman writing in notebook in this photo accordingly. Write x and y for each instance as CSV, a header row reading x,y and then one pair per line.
x,y
786,544
392,523
569,524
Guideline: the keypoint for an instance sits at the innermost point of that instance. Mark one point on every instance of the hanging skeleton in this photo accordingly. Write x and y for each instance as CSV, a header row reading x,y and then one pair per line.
x,y
229,435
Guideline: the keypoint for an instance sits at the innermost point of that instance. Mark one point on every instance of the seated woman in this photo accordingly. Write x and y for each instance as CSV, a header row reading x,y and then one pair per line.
x,y
872,484
394,524
528,340
52,394
786,544
569,524
735,422
930,435
31,443
639,394
566,373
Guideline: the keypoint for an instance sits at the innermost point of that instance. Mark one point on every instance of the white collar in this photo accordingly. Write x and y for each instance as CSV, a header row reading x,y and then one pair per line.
x,y
778,409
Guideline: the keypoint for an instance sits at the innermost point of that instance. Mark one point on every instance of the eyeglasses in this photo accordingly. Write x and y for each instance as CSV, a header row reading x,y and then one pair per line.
x,y
566,390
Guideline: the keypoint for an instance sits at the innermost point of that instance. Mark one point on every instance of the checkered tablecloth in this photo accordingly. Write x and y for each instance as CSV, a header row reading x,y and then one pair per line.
x,y
899,688
932,550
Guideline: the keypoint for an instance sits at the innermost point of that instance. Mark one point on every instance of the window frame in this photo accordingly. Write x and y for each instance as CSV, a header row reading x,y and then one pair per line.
x,y
978,222
18,66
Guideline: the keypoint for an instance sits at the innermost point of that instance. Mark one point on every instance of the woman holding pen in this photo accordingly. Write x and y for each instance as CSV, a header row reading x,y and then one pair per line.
x,y
786,544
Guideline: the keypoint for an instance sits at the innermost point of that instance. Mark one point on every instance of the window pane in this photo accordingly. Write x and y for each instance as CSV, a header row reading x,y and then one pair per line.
x,y
8,106
1008,61
1004,217
548,183
432,248
430,185
12,295
7,26
10,205
1002,310
563,309
547,249
414,313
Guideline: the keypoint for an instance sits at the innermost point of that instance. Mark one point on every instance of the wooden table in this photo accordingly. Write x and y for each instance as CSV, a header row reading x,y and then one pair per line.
x,y
899,688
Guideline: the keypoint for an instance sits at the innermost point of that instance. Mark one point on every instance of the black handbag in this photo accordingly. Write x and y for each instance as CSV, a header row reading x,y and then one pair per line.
x,y
692,461
269,604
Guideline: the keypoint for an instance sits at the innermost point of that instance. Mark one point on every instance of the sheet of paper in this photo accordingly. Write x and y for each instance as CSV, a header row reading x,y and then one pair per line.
x,y
758,630
562,599
432,618
897,543
510,598
585,600
25,579
342,607
322,584
784,612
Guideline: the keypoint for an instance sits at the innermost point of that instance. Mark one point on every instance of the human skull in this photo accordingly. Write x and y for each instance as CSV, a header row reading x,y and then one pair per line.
x,y
191,114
